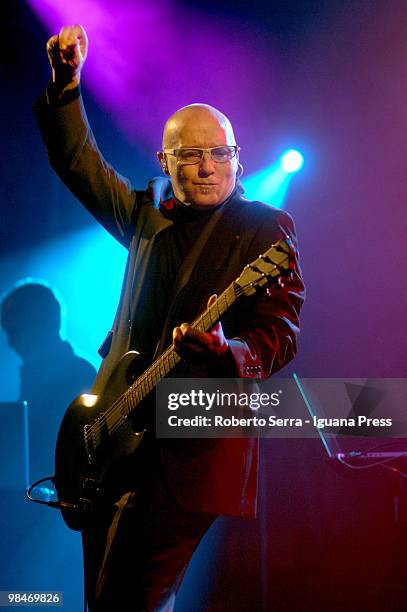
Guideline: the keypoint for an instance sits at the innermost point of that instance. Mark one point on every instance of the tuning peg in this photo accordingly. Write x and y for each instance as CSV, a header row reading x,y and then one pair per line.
x,y
279,284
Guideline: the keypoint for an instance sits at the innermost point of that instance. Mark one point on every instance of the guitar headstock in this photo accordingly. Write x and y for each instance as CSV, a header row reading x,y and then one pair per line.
x,y
269,268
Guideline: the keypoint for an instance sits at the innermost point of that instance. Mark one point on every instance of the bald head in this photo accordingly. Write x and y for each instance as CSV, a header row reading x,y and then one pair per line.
x,y
194,119
206,181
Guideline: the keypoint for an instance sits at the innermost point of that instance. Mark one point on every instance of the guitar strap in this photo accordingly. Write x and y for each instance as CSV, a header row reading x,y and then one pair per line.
x,y
185,271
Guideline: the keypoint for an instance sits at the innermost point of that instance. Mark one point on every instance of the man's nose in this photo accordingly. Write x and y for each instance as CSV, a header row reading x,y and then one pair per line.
x,y
206,165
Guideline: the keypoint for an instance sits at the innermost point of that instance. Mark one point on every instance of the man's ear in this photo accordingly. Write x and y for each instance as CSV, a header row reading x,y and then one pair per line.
x,y
163,162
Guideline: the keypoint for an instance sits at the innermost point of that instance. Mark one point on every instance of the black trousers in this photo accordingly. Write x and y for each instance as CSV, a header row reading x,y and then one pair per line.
x,y
136,556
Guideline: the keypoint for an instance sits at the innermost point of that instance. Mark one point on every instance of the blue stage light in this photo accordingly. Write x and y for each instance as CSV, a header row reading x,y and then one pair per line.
x,y
292,161
268,185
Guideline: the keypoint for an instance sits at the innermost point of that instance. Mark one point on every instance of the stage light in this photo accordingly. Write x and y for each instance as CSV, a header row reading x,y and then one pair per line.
x,y
271,184
268,185
292,161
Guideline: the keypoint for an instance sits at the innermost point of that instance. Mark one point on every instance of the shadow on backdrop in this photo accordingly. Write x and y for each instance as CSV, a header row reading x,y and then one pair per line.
x,y
39,552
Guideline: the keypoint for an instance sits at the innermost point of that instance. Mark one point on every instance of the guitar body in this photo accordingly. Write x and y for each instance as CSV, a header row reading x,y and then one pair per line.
x,y
82,481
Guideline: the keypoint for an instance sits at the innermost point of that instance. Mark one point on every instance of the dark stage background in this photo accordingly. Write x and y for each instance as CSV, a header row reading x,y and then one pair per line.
x,y
327,77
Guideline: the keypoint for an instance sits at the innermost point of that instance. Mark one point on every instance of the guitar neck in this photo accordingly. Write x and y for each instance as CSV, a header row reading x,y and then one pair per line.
x,y
267,268
164,364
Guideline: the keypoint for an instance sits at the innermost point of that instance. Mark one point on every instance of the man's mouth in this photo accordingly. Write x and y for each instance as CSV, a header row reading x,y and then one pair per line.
x,y
205,188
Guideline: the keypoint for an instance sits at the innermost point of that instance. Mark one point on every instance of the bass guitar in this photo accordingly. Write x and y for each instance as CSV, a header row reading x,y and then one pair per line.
x,y
98,431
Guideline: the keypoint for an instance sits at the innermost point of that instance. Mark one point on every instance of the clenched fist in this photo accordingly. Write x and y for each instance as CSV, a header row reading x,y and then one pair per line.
x,y
67,53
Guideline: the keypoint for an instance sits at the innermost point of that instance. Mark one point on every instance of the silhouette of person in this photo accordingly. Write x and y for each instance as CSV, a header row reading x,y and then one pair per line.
x,y
51,374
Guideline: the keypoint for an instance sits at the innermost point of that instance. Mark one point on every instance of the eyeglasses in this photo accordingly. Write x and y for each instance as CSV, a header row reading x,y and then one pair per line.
x,y
195,155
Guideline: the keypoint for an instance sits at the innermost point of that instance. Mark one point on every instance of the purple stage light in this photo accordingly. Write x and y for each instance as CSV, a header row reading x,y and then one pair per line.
x,y
147,60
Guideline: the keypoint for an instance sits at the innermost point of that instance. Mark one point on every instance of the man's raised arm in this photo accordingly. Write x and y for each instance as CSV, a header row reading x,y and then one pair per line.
x,y
70,143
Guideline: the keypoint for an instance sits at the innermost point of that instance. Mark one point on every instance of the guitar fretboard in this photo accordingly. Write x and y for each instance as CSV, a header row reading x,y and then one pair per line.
x,y
265,269
119,412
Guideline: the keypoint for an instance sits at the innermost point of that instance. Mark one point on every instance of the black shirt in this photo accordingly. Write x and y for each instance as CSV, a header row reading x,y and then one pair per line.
x,y
173,245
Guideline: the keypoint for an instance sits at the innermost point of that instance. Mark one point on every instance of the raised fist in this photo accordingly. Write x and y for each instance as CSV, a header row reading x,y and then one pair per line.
x,y
67,53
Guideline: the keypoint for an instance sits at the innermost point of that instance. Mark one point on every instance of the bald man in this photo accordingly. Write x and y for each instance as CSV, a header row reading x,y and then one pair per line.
x,y
189,234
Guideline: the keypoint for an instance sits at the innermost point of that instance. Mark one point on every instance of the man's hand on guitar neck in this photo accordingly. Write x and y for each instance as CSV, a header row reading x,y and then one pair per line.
x,y
211,347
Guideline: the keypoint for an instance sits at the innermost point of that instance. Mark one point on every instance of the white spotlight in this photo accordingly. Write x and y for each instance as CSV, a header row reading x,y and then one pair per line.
x,y
292,161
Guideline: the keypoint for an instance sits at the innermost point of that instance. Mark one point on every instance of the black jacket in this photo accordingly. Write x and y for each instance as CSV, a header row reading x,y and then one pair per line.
x,y
218,476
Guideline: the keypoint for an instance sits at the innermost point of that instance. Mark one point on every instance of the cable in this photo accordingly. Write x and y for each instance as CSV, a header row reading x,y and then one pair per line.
x,y
35,484
394,469
54,504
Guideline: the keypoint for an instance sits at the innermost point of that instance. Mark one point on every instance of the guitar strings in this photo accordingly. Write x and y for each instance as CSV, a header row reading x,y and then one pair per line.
x,y
139,388
116,407
114,412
